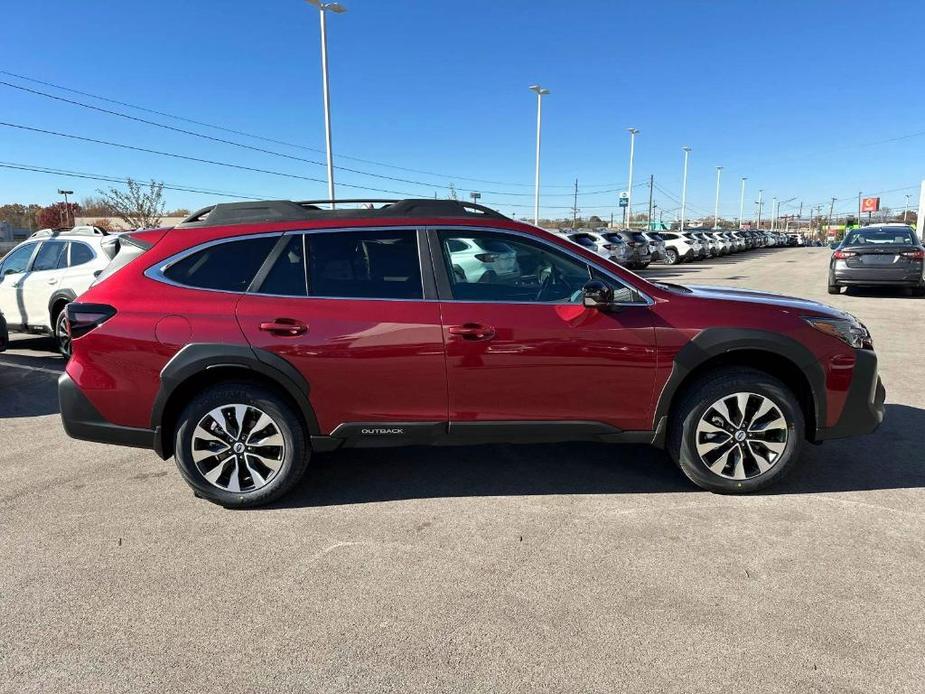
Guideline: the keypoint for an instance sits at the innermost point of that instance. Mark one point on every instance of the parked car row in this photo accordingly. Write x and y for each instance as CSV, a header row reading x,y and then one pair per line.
x,y
637,249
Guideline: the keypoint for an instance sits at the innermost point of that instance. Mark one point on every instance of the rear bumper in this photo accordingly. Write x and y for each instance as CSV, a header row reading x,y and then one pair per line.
x,y
863,410
83,421
908,276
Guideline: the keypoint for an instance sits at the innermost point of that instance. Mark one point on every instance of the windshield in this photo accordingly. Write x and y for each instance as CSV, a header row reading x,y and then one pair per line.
x,y
897,237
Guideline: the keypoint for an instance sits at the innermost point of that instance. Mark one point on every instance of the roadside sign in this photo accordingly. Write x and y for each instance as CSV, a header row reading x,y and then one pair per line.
x,y
624,199
870,205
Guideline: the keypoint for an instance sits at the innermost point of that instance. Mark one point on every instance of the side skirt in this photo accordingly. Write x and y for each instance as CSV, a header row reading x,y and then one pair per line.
x,y
392,434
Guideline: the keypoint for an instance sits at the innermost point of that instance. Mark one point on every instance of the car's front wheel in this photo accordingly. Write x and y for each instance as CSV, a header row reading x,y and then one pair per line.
x,y
671,256
240,445
738,430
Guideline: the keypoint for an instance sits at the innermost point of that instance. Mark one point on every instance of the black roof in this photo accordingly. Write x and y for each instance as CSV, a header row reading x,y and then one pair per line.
x,y
309,210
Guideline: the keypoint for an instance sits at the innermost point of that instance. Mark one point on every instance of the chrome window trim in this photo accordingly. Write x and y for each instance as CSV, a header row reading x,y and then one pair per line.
x,y
156,272
648,301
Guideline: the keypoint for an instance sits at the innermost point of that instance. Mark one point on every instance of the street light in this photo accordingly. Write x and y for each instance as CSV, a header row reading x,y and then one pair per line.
x,y
758,203
719,170
906,209
742,201
629,187
774,214
324,8
540,93
687,152
67,208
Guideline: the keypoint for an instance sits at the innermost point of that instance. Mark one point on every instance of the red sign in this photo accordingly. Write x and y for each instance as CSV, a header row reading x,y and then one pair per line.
x,y
870,205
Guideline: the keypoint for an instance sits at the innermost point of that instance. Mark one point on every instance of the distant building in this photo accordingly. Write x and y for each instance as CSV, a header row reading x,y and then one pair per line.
x,y
10,233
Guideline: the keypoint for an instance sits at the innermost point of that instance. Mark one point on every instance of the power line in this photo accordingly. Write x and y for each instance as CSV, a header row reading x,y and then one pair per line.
x,y
255,136
117,179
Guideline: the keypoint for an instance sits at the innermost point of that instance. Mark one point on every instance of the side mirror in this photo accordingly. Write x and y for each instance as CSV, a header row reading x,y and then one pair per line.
x,y
596,294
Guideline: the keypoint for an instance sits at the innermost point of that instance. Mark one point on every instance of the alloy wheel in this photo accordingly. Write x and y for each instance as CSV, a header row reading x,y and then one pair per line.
x,y
741,436
238,448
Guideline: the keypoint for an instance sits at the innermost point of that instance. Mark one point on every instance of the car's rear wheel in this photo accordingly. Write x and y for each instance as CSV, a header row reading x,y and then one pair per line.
x,y
240,445
671,256
833,286
736,431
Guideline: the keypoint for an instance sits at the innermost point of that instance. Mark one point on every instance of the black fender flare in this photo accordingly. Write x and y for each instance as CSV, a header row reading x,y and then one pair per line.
x,y
194,359
67,295
714,342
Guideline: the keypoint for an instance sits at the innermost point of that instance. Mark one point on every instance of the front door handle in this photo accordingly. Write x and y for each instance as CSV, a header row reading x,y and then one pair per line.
x,y
52,281
285,327
473,331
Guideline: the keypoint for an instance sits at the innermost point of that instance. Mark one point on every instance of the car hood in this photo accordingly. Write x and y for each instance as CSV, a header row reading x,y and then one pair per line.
x,y
767,298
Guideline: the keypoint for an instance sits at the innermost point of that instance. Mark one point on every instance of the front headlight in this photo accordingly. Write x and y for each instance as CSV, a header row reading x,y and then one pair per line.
x,y
849,330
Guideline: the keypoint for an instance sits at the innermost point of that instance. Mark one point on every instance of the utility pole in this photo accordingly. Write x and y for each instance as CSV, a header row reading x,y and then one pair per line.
x,y
773,213
831,211
575,206
859,210
906,208
651,184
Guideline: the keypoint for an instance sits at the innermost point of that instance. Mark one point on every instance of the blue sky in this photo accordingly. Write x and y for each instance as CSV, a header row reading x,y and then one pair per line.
x,y
803,98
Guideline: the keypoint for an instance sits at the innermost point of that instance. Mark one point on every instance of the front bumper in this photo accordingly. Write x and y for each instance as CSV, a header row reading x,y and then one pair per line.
x,y
83,421
863,409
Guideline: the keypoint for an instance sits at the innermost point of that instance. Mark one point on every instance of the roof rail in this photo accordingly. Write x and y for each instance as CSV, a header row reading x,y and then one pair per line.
x,y
289,211
66,231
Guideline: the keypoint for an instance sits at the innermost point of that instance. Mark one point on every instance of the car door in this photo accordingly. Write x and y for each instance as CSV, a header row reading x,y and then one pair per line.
x,y
13,269
359,328
40,283
523,348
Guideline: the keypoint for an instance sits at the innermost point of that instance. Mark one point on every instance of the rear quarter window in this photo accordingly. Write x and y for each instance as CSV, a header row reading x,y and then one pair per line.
x,y
226,266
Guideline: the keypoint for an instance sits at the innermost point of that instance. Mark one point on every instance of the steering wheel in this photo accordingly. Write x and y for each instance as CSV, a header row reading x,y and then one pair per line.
x,y
545,284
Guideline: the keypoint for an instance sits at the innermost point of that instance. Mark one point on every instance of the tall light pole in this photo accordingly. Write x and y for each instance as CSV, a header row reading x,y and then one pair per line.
x,y
629,186
67,208
759,203
906,208
324,8
719,170
773,213
742,201
687,152
540,93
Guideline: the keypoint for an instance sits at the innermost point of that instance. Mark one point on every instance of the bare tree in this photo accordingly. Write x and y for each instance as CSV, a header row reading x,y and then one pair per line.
x,y
140,207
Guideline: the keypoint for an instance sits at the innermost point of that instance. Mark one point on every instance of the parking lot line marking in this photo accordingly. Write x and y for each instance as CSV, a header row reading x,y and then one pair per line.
x,y
43,369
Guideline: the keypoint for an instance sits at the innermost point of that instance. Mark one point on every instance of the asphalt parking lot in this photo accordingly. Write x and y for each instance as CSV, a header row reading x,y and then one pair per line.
x,y
495,568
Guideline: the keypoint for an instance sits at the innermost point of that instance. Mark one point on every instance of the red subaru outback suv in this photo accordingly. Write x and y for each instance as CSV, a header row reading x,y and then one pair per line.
x,y
253,334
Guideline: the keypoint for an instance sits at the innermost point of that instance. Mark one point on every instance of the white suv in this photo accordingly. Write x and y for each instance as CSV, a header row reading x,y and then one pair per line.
x,y
40,276
679,248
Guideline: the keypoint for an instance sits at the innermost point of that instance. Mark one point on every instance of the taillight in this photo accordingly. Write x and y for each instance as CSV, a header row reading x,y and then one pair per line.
x,y
917,255
82,318
841,255
610,246
486,257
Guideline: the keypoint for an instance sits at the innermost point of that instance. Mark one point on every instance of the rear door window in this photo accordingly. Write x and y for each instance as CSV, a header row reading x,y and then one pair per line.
x,y
49,256
227,266
287,276
364,264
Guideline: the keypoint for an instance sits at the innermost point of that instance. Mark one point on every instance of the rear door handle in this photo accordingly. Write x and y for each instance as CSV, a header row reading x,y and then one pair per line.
x,y
473,331
285,327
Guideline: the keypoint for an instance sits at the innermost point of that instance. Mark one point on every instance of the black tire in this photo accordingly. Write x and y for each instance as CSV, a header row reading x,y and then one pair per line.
x,y
700,398
834,289
671,256
294,457
61,335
